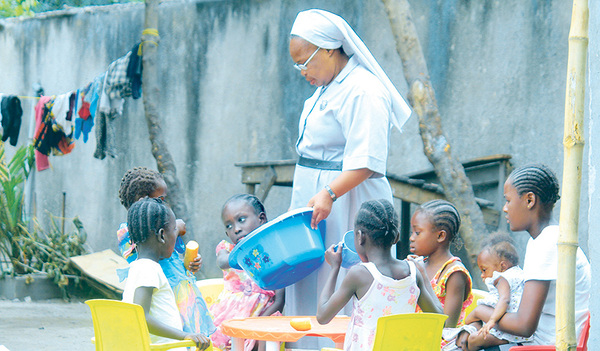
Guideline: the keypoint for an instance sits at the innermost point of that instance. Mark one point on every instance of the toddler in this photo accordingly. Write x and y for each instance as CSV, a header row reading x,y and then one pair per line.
x,y
498,262
140,182
241,297
379,286
152,228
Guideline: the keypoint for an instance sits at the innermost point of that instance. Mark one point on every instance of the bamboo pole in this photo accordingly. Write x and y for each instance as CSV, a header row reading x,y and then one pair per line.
x,y
571,185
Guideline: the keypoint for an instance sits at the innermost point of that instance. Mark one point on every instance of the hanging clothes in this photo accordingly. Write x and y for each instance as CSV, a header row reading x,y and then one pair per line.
x,y
134,71
88,106
50,136
41,160
12,113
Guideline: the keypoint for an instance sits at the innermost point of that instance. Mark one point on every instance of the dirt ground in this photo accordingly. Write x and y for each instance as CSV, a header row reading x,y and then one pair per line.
x,y
49,325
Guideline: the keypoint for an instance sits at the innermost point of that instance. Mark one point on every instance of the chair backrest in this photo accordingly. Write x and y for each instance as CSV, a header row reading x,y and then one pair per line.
x,y
585,334
210,289
477,294
119,325
409,331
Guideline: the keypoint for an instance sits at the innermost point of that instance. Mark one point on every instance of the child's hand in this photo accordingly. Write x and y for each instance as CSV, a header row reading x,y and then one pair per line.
x,y
202,342
485,330
196,264
180,227
333,255
418,261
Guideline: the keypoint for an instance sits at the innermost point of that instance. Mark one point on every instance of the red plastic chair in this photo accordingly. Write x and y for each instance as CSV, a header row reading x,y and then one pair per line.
x,y
581,344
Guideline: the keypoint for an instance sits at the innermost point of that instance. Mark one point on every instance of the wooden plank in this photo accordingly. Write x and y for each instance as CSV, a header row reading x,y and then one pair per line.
x,y
101,268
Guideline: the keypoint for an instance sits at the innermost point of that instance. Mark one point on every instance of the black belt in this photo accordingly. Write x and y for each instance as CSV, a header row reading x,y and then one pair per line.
x,y
320,164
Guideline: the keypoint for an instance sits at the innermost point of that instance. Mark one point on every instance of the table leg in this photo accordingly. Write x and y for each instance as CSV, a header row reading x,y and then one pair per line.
x,y
237,344
272,346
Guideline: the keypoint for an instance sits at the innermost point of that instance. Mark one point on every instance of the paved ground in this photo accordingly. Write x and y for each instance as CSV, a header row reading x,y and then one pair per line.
x,y
50,325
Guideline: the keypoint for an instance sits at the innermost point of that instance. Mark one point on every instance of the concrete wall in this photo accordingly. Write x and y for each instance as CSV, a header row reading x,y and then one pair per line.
x,y
229,93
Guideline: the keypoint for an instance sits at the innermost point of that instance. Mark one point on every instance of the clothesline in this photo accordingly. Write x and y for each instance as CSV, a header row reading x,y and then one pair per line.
x,y
61,119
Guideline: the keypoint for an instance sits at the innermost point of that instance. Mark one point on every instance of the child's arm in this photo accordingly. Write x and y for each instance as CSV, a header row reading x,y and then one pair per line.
x,y
455,296
331,301
427,299
143,297
223,259
523,322
277,305
503,301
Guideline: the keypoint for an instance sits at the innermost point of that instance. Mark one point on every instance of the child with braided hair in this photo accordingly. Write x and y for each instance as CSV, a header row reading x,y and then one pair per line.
x,y
141,182
435,226
152,228
381,285
531,192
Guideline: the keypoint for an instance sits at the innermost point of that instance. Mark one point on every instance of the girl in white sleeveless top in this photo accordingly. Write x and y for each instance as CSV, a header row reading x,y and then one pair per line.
x,y
381,285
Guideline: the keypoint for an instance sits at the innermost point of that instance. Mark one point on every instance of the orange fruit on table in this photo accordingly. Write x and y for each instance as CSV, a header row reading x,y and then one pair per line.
x,y
301,324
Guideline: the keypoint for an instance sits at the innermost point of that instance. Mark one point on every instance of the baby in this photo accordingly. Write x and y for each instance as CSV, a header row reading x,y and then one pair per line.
x,y
498,262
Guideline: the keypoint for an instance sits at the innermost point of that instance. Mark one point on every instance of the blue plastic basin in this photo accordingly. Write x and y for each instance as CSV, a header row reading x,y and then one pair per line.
x,y
282,251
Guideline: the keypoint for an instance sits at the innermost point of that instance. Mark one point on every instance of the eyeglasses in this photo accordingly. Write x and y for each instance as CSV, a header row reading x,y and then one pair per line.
x,y
302,66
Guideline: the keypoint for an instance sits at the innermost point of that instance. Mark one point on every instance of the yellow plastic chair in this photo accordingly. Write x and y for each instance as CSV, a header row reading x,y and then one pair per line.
x,y
121,326
477,294
408,331
210,289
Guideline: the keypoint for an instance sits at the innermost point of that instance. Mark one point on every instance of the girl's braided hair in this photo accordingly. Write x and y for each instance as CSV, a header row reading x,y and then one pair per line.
x,y
503,245
250,200
379,221
148,215
443,215
538,179
137,183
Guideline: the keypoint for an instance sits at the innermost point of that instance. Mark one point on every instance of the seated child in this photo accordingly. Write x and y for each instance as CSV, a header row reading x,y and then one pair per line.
x,y
498,262
531,192
140,182
381,285
435,226
241,297
152,228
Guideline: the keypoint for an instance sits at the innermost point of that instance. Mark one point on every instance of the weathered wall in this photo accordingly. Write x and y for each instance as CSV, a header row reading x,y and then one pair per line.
x,y
229,93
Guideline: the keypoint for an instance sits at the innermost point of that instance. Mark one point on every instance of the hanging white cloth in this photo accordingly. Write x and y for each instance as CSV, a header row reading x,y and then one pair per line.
x,y
329,31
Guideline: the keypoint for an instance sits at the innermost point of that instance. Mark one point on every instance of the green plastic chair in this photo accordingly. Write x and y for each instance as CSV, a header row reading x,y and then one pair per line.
x,y
121,326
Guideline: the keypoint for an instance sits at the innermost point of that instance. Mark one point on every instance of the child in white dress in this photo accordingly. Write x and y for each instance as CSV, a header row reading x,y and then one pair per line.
x,y
498,262
152,228
381,285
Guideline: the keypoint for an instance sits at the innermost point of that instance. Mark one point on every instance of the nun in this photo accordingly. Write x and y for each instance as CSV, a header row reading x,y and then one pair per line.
x,y
344,133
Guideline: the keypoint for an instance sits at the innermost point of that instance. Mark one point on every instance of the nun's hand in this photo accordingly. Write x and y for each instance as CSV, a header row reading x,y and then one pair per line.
x,y
321,204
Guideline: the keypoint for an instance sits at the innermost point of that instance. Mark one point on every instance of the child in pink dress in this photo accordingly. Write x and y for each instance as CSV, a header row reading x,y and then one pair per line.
x,y
381,285
241,297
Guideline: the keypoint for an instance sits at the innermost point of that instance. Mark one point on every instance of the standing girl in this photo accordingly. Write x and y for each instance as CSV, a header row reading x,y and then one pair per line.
x,y
435,225
531,192
152,229
140,182
381,285
241,297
